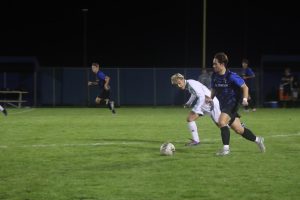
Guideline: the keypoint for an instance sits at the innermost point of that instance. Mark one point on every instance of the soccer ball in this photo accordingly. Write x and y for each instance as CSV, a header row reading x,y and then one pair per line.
x,y
167,149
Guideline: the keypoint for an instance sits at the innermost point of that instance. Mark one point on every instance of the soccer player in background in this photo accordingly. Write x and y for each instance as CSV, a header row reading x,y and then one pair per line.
x,y
230,89
3,110
198,93
205,78
248,76
103,82
287,83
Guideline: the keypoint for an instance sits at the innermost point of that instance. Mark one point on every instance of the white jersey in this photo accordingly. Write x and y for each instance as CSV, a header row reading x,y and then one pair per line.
x,y
198,92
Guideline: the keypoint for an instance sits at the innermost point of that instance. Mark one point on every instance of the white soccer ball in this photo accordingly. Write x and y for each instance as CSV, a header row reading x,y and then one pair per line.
x,y
167,149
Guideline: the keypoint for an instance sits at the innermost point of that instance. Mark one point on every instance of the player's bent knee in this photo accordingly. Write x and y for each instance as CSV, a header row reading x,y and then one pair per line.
x,y
189,119
97,100
218,125
222,123
192,117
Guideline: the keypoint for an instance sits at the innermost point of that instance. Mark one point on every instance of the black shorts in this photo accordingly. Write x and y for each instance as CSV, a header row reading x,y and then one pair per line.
x,y
104,94
232,111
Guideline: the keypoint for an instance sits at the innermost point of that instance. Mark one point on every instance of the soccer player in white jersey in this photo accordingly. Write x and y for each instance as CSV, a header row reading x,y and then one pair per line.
x,y
199,93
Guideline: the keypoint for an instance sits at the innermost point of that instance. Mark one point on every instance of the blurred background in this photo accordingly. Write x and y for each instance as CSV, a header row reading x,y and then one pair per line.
x,y
48,50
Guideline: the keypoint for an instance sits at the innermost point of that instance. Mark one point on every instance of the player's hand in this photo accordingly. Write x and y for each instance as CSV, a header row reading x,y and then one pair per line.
x,y
208,100
186,106
90,83
106,87
245,102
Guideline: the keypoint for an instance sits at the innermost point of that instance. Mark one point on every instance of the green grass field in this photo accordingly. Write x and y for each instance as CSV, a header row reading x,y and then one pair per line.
x,y
87,153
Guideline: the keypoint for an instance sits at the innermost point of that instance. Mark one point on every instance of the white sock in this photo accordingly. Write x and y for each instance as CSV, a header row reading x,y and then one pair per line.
x,y
193,129
226,147
1,108
256,139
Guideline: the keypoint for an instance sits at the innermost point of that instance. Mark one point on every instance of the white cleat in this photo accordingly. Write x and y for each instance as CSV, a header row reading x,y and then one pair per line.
x,y
223,152
260,144
112,106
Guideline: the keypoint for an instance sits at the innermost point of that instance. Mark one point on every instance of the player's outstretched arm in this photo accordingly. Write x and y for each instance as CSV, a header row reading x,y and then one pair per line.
x,y
245,91
212,96
106,84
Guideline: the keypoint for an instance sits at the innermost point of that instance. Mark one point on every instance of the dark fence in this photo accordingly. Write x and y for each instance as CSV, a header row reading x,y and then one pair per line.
x,y
129,86
68,86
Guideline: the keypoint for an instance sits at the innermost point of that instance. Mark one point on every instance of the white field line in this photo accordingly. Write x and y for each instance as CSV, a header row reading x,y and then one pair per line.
x,y
87,144
289,135
119,143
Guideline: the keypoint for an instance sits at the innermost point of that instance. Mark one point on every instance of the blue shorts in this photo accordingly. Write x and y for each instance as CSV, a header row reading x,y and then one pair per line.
x,y
231,110
104,94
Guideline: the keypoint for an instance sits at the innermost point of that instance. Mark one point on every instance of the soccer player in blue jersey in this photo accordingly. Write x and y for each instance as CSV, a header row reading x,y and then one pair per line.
x,y
103,82
248,76
230,89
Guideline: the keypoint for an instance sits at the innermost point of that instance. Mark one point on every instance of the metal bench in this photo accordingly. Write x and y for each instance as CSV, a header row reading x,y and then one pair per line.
x,y
14,102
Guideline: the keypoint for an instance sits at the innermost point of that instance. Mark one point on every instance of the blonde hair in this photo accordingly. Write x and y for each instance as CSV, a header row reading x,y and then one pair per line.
x,y
175,77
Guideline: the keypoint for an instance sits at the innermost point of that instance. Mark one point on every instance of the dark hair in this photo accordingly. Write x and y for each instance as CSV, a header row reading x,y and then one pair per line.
x,y
245,61
95,64
222,58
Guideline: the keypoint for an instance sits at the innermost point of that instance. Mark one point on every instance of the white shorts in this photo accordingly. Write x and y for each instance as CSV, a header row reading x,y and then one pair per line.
x,y
206,109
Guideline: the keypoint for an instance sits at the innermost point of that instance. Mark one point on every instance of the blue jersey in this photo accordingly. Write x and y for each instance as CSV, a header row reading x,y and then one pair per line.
x,y
227,88
248,72
101,79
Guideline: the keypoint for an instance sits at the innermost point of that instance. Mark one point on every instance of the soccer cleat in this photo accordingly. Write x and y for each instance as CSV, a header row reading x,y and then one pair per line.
x,y
112,107
260,144
223,152
5,112
192,143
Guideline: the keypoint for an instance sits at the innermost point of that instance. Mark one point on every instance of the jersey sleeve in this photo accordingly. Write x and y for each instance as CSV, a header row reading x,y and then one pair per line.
x,y
236,79
200,94
101,76
250,72
191,99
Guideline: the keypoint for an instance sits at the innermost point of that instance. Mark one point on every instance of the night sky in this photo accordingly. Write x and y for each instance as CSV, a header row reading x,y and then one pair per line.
x,y
150,33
